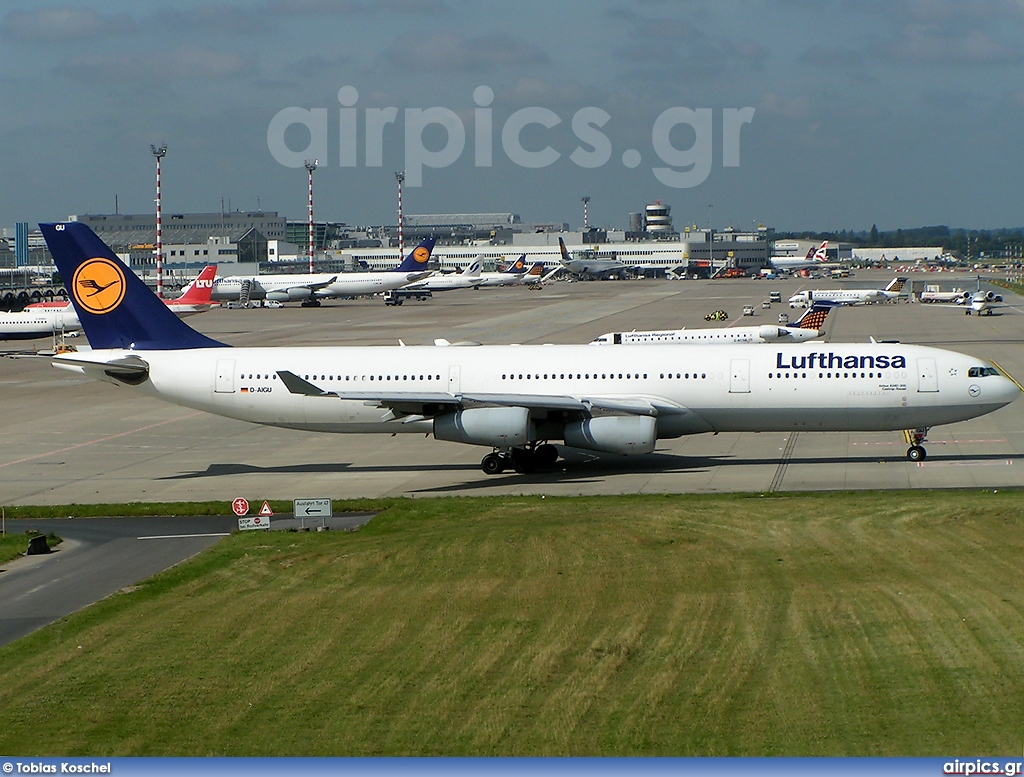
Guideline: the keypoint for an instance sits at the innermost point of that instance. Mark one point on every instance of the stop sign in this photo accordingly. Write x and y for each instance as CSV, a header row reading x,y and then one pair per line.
x,y
240,506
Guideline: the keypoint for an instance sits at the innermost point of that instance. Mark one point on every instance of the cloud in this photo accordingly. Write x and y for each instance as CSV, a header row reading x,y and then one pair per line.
x,y
450,52
48,25
181,63
221,18
321,7
668,47
923,44
832,56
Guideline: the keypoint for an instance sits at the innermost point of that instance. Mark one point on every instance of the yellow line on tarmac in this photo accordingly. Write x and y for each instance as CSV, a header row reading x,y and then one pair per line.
x,y
1008,375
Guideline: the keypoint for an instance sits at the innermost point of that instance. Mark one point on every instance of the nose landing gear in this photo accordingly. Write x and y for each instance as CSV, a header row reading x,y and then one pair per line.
x,y
915,437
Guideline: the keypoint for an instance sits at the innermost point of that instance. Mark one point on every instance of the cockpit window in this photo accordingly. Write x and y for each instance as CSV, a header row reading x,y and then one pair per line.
x,y
981,372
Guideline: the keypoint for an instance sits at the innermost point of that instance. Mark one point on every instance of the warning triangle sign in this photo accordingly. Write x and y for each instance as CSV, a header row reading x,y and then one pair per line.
x,y
265,510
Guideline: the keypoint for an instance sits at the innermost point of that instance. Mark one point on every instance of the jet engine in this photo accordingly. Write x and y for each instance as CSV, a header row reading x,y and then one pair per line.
x,y
289,295
768,332
499,427
613,434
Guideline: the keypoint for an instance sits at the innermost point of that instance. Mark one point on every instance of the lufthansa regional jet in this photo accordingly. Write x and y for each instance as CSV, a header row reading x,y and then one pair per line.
x,y
848,296
807,327
516,401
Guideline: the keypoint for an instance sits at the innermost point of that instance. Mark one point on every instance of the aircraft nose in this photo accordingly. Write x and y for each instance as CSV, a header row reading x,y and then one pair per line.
x,y
1006,390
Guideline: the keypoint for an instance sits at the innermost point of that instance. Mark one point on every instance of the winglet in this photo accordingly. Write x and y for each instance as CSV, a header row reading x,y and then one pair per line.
x,y
116,308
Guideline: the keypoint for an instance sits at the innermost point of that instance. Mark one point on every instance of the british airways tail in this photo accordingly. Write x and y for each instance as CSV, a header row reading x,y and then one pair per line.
x,y
417,258
116,308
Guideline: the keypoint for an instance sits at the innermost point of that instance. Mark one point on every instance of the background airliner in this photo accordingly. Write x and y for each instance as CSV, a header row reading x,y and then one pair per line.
x,y
309,289
44,319
513,399
848,296
807,327
816,257
467,279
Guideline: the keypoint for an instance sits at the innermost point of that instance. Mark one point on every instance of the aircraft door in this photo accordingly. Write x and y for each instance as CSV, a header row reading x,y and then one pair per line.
x,y
455,379
225,380
739,381
927,379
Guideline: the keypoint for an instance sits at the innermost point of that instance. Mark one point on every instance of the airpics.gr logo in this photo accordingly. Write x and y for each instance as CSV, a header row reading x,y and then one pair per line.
x,y
98,285
421,255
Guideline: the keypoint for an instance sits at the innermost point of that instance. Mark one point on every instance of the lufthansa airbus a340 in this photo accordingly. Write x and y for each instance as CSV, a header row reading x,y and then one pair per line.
x,y
515,400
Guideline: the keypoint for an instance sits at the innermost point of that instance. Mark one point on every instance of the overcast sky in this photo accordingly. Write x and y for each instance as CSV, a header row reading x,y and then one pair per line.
x,y
898,113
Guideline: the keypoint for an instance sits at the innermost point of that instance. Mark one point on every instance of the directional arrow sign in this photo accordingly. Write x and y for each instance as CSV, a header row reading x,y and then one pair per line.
x,y
312,508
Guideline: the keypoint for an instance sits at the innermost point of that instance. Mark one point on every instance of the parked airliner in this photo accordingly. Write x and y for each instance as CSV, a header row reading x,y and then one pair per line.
x,y
513,399
43,319
807,327
848,296
816,257
310,289
467,279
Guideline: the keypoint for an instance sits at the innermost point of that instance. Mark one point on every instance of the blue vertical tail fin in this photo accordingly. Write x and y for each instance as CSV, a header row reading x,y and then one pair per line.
x,y
116,308
418,257
518,267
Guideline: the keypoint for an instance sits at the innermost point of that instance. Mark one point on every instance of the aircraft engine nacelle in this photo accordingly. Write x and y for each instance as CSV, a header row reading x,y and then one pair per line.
x,y
768,332
613,434
499,427
289,295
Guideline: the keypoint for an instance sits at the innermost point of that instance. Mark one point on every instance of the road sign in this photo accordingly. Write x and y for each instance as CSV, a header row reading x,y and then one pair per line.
x,y
240,506
312,508
255,522
265,510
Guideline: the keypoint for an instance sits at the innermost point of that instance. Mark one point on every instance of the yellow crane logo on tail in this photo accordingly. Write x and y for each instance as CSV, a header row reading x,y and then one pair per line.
x,y
98,285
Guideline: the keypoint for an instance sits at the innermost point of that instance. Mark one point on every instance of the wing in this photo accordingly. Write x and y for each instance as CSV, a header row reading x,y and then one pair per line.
x,y
432,403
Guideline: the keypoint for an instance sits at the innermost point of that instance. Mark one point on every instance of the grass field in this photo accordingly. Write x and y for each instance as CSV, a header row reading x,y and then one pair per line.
x,y
853,624
15,544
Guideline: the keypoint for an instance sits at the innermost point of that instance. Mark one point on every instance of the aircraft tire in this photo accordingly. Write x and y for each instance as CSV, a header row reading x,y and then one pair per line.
x,y
492,464
523,461
916,453
546,455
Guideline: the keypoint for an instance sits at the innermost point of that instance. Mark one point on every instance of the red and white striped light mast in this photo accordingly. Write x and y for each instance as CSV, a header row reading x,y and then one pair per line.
x,y
310,167
400,177
159,152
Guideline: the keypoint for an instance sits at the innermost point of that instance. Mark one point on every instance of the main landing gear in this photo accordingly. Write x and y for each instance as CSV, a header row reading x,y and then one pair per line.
x,y
916,451
311,303
522,460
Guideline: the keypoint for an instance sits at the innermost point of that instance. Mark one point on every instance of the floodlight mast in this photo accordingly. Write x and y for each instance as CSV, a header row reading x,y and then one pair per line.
x,y
159,152
310,167
400,177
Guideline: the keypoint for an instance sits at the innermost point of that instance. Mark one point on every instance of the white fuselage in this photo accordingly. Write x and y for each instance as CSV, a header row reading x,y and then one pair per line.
x,y
260,286
491,279
362,284
449,282
765,333
694,389
959,297
842,296
32,323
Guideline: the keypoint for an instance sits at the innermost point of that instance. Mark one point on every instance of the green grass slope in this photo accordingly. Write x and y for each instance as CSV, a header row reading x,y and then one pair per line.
x,y
854,624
